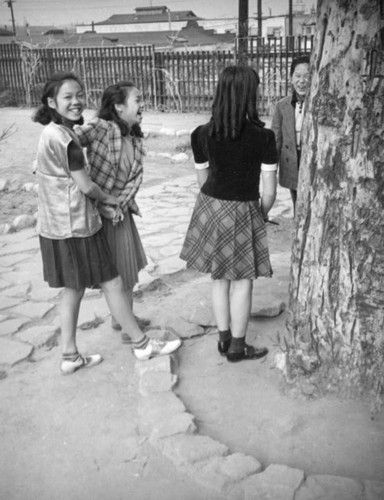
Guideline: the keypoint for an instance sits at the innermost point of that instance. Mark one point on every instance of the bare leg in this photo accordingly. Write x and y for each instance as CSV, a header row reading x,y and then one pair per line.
x,y
129,294
120,307
220,303
69,314
240,306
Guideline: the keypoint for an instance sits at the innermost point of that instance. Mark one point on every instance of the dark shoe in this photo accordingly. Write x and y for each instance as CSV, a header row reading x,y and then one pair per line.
x,y
223,346
249,352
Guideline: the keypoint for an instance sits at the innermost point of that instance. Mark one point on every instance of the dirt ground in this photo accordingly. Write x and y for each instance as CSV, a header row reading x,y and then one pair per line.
x,y
241,405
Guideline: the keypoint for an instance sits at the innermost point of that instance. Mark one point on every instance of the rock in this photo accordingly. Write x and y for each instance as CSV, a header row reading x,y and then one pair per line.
x,y
167,131
182,328
182,132
4,183
330,488
40,336
11,326
5,228
151,382
185,449
12,352
23,221
28,186
33,310
277,482
180,158
218,473
175,424
164,155
15,183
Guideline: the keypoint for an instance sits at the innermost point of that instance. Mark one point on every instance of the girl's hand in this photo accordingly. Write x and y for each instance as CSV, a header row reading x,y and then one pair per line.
x,y
119,216
111,200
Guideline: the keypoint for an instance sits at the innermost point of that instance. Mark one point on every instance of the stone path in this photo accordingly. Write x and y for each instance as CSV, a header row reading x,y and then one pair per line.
x,y
29,321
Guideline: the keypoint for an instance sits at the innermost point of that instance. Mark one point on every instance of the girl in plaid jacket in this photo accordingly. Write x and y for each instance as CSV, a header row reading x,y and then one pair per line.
x,y
115,155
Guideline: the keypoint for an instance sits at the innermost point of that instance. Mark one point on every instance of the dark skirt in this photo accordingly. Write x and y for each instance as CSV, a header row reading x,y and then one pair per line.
x,y
126,249
227,239
77,262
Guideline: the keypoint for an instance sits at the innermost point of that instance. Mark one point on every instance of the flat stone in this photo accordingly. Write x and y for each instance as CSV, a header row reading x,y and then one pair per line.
x,y
184,449
34,310
159,364
277,482
182,328
151,382
45,294
39,336
11,326
18,247
158,407
220,472
8,302
11,260
181,423
373,490
5,284
17,290
266,306
330,488
12,352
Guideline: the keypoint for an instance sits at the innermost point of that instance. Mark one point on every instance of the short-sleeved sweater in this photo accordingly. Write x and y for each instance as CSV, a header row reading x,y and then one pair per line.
x,y
235,165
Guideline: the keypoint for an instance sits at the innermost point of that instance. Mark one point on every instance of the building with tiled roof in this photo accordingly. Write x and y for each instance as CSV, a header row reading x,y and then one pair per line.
x,y
145,19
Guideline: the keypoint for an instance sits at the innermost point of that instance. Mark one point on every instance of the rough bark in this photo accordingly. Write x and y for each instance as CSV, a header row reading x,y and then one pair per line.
x,y
336,310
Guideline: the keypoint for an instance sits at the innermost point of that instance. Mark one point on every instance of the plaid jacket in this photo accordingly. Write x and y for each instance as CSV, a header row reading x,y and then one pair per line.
x,y
103,142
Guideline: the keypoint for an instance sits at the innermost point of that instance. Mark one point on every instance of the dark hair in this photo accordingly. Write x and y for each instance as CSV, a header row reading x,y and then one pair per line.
x,y
298,60
234,102
117,94
45,114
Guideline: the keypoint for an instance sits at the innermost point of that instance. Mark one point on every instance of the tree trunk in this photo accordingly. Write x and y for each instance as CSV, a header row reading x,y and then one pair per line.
x,y
336,311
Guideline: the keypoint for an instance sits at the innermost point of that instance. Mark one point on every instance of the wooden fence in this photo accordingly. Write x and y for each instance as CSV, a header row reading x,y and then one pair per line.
x,y
170,81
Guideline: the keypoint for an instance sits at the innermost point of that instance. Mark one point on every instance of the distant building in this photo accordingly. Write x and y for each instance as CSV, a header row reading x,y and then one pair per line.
x,y
145,19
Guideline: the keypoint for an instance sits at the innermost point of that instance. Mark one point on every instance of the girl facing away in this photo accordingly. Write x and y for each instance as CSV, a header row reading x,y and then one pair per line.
x,y
74,249
115,154
226,236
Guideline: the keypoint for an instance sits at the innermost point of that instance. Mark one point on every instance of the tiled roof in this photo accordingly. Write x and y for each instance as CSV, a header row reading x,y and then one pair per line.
x,y
183,15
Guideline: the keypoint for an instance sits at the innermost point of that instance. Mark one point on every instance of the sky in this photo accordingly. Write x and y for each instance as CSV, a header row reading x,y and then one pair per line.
x,y
66,12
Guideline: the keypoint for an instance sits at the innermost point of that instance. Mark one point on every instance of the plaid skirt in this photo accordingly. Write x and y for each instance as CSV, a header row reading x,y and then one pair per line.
x,y
227,239
77,262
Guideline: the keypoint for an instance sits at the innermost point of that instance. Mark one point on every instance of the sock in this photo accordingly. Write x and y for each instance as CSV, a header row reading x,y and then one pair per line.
x,y
142,343
72,356
225,335
237,344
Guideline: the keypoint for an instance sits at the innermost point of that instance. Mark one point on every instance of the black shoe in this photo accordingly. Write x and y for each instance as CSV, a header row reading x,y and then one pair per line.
x,y
223,346
249,352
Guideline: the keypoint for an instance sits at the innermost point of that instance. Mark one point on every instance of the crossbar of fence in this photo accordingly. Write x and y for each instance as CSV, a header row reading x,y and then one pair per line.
x,y
171,81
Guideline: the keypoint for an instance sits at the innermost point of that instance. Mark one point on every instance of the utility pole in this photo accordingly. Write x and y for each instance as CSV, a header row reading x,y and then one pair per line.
x,y
10,5
243,32
290,25
259,19
290,18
